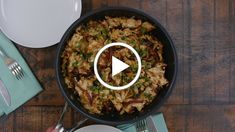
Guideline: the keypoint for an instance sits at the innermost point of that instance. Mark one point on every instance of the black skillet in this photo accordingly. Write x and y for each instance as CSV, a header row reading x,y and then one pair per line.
x,y
169,55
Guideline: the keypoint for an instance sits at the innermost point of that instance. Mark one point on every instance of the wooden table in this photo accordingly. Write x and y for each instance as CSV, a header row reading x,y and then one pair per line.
x,y
204,96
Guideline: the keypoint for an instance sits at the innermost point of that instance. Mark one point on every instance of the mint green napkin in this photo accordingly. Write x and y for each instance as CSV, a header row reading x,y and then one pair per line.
x,y
1,113
19,90
159,123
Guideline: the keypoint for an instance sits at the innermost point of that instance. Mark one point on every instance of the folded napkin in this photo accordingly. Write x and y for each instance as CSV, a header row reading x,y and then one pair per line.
x,y
20,90
159,124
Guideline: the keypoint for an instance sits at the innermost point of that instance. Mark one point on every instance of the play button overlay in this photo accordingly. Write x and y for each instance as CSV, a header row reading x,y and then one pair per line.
x,y
118,66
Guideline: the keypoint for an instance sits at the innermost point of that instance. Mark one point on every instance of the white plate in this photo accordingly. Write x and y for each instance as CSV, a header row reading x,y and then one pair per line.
x,y
37,23
98,128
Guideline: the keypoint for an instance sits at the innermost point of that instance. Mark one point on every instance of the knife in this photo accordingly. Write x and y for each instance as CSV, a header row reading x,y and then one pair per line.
x,y
150,124
5,94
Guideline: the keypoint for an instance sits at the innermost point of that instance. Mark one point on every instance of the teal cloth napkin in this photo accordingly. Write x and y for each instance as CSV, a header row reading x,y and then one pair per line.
x,y
159,123
20,90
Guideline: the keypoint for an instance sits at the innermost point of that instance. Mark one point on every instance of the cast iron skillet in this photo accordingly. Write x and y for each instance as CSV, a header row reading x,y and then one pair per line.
x,y
169,56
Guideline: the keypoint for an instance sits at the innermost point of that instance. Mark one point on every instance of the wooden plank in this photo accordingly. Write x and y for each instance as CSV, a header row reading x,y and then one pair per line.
x,y
7,123
222,46
28,119
174,116
156,8
203,118
96,4
86,6
175,13
185,55
175,20
38,119
214,118
130,3
202,58
232,52
112,3
50,116
78,117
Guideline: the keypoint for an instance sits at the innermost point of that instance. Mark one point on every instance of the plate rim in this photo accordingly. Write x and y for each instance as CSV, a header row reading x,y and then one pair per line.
x,y
28,45
98,125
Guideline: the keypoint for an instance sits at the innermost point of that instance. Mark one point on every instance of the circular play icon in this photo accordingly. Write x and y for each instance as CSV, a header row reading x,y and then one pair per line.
x,y
118,66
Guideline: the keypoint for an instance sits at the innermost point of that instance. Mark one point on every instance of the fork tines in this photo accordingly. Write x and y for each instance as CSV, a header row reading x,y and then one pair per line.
x,y
141,126
16,70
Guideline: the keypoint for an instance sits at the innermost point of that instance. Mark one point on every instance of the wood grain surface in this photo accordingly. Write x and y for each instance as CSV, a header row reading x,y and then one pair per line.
x,y
204,96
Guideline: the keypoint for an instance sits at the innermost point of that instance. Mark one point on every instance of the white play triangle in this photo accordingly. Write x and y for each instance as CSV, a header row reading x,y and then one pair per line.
x,y
118,66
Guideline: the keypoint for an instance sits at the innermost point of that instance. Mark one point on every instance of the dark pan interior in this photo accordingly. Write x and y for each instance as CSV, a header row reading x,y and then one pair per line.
x,y
169,56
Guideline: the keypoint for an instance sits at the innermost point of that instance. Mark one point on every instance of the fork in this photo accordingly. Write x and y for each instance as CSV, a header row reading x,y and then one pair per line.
x,y
141,126
59,126
12,65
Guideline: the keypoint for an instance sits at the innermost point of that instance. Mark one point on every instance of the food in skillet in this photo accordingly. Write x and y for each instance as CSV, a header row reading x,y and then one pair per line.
x,y
81,49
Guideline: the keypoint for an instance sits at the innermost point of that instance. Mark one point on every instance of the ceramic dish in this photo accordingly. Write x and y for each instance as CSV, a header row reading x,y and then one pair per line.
x,y
98,128
37,23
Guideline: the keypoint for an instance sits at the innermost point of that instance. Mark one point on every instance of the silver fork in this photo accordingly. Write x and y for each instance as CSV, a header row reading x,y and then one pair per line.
x,y
59,126
141,126
12,65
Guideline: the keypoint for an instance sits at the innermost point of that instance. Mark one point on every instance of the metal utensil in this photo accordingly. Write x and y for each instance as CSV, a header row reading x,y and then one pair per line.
x,y
12,65
5,94
150,124
77,125
59,126
141,126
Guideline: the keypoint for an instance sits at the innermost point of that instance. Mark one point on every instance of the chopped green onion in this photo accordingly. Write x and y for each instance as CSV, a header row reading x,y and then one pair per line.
x,y
135,68
143,53
133,42
78,45
104,32
143,30
137,85
145,78
149,96
86,56
123,38
95,89
76,63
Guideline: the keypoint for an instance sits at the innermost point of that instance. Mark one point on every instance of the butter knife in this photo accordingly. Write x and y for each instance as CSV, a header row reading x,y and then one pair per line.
x,y
5,94
150,124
